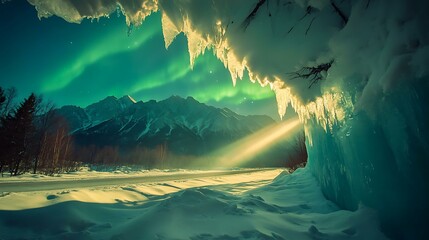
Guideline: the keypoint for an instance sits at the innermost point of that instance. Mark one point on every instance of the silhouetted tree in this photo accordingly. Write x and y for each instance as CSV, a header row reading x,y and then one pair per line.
x,y
8,104
55,154
45,123
2,136
18,129
33,137
5,99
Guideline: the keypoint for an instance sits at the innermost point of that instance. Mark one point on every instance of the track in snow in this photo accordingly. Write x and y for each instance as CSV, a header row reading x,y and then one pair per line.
x,y
28,186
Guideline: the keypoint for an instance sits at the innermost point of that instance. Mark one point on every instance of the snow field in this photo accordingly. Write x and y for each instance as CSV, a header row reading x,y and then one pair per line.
x,y
241,206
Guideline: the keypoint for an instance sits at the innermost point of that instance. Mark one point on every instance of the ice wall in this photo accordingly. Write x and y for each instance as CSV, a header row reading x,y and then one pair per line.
x,y
366,118
378,154
383,163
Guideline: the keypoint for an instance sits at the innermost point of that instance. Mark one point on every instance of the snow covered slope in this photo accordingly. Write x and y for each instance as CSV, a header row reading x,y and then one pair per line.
x,y
240,206
108,108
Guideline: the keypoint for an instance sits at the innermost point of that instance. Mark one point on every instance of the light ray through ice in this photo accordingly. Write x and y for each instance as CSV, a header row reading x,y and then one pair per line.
x,y
245,149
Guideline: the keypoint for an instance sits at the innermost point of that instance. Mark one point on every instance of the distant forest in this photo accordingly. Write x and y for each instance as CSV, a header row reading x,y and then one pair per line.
x,y
35,139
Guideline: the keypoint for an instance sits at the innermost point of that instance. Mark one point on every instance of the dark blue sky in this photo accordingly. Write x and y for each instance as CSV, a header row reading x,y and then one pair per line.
x,y
79,64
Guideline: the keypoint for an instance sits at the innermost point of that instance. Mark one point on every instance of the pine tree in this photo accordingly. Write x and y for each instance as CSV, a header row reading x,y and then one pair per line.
x,y
18,130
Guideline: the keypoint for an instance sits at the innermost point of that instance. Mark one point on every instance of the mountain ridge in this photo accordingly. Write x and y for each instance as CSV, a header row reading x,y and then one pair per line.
x,y
131,121
112,106
140,131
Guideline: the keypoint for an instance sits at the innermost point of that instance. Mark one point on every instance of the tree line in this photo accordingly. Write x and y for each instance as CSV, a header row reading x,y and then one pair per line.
x,y
32,137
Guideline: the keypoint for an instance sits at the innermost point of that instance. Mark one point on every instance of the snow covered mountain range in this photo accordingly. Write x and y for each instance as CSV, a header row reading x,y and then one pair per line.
x,y
185,125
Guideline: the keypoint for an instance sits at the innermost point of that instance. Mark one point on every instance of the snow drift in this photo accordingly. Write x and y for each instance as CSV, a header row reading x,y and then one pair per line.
x,y
365,112
240,206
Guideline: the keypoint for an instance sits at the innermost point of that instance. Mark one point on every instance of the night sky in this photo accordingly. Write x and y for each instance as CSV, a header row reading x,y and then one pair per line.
x,y
79,64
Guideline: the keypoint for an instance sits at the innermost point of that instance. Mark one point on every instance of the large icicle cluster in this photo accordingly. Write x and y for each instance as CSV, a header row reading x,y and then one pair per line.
x,y
280,37
355,71
257,38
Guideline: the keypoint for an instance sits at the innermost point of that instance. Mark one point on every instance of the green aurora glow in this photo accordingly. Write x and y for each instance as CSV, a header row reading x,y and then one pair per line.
x,y
79,64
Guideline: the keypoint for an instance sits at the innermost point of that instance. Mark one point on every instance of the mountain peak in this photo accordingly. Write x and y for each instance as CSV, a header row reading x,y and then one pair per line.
x,y
106,100
175,97
127,98
109,98
108,107
191,99
179,98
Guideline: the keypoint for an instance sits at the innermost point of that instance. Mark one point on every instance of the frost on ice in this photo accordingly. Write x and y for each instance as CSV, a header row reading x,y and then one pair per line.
x,y
365,117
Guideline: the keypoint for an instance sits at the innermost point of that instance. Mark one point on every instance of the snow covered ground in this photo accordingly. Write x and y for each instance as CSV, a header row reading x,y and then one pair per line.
x,y
88,172
243,205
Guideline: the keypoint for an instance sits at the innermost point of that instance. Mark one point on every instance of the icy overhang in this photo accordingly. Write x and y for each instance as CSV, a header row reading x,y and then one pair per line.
x,y
322,57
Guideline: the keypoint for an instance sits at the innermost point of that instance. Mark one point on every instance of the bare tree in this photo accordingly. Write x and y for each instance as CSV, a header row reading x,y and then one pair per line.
x,y
46,120
314,74
55,152
8,105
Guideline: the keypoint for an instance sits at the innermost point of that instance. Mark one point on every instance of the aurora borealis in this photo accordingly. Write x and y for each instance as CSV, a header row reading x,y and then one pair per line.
x,y
79,64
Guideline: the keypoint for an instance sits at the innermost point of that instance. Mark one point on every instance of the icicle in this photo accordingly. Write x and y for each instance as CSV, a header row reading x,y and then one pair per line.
x,y
169,30
283,99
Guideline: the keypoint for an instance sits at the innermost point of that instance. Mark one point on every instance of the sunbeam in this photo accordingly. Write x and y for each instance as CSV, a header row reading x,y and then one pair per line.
x,y
245,149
